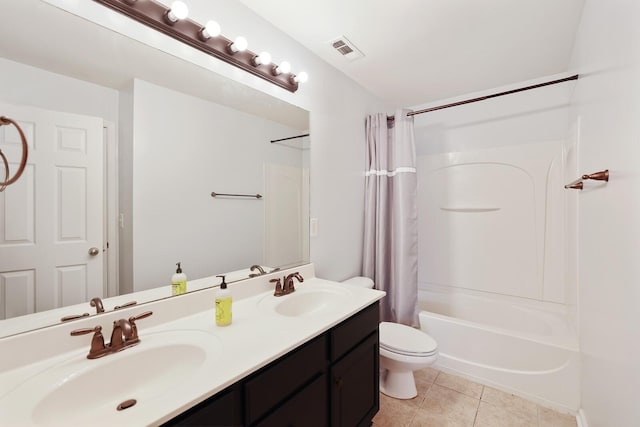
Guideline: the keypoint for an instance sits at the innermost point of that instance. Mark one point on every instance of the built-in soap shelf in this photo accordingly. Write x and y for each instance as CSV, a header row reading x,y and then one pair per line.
x,y
469,209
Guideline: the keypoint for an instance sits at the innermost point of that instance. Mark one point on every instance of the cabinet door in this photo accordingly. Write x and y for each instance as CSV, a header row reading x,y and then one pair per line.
x,y
355,395
283,378
308,408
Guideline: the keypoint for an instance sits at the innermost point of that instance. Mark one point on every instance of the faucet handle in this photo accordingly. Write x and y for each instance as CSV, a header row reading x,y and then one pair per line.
x,y
85,331
97,342
125,305
278,292
133,319
73,317
134,327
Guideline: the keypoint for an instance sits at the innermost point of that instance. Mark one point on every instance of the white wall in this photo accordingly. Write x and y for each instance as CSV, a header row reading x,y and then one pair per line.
x,y
183,149
607,108
521,118
26,85
338,107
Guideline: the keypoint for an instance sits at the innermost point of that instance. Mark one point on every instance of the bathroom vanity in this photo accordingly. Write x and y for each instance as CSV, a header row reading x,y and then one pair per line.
x,y
330,380
309,358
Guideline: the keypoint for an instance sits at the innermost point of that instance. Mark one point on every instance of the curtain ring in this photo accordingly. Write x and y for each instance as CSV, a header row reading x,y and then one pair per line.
x,y
23,161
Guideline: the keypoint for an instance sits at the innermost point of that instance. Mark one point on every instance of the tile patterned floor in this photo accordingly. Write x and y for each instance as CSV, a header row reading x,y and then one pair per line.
x,y
446,400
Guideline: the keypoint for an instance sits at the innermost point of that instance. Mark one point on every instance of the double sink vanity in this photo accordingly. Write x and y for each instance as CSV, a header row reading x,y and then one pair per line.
x,y
309,358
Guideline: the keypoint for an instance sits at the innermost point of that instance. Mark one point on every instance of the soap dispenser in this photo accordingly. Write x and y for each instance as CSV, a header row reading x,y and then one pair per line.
x,y
178,282
223,304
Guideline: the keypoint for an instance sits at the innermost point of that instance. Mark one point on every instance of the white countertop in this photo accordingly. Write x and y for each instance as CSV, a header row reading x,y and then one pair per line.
x,y
256,337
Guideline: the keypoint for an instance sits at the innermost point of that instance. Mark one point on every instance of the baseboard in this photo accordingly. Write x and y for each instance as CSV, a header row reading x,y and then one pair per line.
x,y
581,419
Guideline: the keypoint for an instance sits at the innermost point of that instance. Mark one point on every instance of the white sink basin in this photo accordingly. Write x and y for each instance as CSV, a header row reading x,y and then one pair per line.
x,y
310,301
82,392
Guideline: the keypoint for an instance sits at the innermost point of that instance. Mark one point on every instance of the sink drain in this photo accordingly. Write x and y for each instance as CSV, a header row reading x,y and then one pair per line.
x,y
126,404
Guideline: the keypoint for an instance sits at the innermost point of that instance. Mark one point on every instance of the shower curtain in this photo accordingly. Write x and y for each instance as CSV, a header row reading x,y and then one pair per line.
x,y
391,215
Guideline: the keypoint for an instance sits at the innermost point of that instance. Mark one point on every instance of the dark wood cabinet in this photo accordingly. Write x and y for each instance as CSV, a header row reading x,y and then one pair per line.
x,y
331,380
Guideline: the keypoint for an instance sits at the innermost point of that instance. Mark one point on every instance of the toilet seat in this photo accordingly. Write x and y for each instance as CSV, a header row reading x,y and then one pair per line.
x,y
405,340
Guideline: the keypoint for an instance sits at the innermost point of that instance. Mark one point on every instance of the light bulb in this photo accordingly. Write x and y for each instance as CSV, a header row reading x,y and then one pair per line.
x,y
263,59
239,45
211,29
284,67
302,77
178,11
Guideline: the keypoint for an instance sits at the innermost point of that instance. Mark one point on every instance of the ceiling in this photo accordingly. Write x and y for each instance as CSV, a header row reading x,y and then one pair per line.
x,y
419,51
416,51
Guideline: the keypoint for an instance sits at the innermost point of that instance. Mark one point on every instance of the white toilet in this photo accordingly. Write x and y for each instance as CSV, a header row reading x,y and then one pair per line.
x,y
403,349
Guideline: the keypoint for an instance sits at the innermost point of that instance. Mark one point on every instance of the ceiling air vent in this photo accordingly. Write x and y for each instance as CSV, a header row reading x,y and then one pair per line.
x,y
346,48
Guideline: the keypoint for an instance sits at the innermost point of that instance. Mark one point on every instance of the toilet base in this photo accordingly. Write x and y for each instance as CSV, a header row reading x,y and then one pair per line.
x,y
399,385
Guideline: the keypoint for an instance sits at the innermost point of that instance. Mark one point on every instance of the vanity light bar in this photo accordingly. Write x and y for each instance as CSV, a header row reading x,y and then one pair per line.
x,y
155,15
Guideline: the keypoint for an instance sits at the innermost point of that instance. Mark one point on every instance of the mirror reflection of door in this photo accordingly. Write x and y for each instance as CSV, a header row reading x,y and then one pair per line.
x,y
52,217
285,210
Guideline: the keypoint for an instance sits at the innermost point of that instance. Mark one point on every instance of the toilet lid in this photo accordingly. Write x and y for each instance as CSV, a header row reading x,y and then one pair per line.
x,y
406,340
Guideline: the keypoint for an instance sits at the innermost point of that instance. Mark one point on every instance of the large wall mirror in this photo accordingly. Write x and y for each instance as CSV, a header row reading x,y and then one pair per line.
x,y
127,143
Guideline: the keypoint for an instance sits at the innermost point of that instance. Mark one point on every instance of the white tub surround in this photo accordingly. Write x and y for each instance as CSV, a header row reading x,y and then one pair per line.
x,y
493,220
527,348
257,336
496,283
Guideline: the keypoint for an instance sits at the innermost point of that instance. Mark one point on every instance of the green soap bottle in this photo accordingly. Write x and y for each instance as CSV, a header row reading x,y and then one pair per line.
x,y
223,304
178,282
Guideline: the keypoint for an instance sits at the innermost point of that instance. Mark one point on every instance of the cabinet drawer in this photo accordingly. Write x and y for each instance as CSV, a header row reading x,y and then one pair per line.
x,y
221,410
276,382
352,331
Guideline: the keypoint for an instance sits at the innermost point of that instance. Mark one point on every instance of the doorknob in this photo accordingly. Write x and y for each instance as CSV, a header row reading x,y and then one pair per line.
x,y
94,251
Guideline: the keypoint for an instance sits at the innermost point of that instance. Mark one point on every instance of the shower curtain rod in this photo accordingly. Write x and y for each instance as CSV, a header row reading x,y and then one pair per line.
x,y
495,95
291,137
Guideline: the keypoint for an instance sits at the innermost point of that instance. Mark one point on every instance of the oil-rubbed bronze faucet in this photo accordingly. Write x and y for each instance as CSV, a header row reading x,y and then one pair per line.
x,y
97,303
121,335
288,287
124,335
259,268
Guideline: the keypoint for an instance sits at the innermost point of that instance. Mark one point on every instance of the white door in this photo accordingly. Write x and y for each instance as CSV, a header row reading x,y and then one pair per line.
x,y
284,208
53,215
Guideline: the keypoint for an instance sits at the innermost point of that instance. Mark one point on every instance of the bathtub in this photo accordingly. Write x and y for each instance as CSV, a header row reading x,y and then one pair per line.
x,y
524,347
